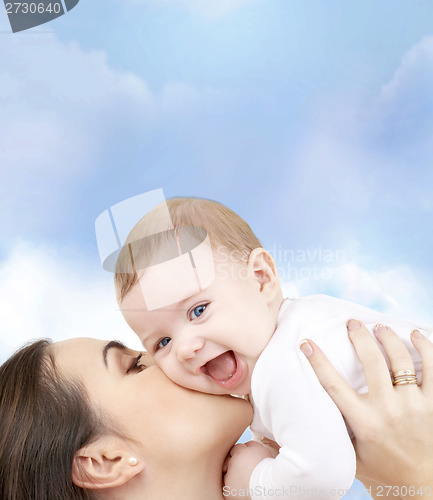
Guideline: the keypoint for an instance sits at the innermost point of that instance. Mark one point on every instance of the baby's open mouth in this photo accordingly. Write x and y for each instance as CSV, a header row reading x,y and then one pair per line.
x,y
226,369
222,367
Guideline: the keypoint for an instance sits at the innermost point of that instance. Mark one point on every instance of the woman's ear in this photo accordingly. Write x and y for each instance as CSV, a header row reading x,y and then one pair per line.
x,y
108,462
262,267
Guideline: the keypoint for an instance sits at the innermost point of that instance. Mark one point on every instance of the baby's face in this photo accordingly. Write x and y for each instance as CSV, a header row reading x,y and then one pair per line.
x,y
209,342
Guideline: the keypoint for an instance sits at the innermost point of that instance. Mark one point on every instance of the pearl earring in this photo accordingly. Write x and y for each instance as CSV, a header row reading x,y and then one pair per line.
x,y
132,461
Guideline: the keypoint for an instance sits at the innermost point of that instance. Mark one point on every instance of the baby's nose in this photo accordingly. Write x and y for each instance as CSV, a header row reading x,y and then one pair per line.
x,y
188,348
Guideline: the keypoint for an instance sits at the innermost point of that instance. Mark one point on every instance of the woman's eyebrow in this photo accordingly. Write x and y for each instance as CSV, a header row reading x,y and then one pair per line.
x,y
113,343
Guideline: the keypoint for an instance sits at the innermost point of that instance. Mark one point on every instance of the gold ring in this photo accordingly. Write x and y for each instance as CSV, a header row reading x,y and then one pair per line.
x,y
404,377
406,381
404,373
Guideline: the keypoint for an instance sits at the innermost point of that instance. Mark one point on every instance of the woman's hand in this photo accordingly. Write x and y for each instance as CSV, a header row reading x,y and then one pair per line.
x,y
393,425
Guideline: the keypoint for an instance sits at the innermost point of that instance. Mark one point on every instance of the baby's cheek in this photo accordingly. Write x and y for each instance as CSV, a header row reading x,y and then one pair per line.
x,y
175,372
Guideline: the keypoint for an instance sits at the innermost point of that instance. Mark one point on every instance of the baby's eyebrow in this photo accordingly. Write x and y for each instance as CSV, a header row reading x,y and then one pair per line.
x,y
113,343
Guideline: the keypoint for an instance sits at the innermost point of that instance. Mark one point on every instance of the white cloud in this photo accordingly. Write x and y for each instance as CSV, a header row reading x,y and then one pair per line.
x,y
397,291
43,294
59,104
56,102
54,96
360,157
402,118
62,111
414,76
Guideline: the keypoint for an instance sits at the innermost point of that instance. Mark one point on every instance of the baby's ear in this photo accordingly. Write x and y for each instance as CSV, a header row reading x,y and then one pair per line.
x,y
105,463
262,266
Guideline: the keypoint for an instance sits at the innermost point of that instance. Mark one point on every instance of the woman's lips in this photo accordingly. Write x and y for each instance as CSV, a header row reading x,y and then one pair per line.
x,y
226,369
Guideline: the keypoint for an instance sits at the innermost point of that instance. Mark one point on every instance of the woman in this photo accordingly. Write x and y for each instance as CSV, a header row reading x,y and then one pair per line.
x,y
393,425
86,419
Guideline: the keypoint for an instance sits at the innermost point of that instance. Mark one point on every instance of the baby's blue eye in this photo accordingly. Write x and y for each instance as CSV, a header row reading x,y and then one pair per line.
x,y
197,311
162,343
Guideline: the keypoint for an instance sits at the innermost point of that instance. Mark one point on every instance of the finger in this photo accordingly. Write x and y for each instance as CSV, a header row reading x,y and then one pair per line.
x,y
237,448
343,395
425,348
398,355
373,361
252,444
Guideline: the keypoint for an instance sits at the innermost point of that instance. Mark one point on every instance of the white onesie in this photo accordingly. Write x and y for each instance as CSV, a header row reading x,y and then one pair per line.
x,y
316,458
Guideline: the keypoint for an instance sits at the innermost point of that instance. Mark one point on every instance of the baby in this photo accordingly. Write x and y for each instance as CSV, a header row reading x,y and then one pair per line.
x,y
238,335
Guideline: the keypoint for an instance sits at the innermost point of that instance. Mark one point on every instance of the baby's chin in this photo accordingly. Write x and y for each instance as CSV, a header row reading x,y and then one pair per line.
x,y
242,392
238,394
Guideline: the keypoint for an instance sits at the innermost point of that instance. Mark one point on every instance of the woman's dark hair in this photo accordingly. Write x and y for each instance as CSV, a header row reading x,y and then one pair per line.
x,y
44,421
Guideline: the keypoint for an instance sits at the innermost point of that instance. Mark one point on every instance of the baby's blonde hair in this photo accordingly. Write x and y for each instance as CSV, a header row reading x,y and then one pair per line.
x,y
224,227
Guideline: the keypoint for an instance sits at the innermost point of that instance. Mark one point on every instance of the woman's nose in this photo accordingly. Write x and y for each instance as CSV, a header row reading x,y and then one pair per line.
x,y
188,348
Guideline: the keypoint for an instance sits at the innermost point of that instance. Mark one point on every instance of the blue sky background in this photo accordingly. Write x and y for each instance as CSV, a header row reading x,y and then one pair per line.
x,y
313,120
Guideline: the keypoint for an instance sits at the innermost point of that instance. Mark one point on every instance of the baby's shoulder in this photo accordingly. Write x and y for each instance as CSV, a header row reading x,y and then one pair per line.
x,y
318,315
315,307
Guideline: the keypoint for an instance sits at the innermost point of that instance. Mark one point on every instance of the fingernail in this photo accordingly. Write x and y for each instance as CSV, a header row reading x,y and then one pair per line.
x,y
417,334
353,324
379,328
306,348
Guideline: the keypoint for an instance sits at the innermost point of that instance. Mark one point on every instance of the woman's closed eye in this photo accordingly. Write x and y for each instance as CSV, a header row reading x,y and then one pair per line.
x,y
162,343
135,366
197,311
